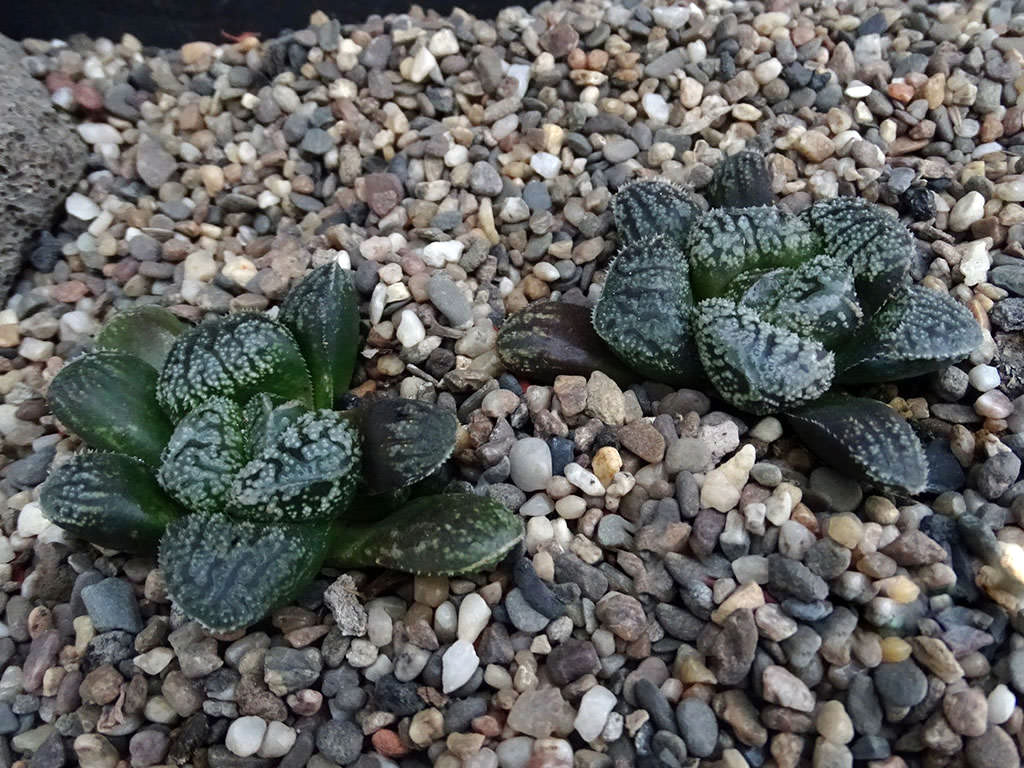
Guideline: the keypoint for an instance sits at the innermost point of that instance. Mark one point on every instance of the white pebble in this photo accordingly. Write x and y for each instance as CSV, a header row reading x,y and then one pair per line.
x,y
968,209
582,479
858,90
975,261
410,329
993,405
81,207
984,377
473,616
539,504
656,107
458,665
423,64
277,741
437,254
1001,702
671,16
99,133
530,464
245,735
31,521
595,706
538,531
545,164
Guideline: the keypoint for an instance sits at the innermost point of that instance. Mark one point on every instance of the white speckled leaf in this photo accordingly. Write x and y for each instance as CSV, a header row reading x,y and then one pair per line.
x,y
444,534
404,441
227,573
865,439
875,244
648,208
236,356
109,499
643,312
308,472
815,299
917,331
741,180
727,242
755,365
207,448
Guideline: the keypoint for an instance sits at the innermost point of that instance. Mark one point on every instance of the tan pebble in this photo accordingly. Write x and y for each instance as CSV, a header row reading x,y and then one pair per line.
x,y
880,510
833,723
748,596
606,463
895,649
846,529
899,588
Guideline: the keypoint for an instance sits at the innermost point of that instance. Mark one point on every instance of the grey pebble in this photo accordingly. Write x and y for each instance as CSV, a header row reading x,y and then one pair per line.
x,y
112,604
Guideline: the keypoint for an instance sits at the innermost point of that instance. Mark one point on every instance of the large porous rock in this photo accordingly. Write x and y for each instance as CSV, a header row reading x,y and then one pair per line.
x,y
41,158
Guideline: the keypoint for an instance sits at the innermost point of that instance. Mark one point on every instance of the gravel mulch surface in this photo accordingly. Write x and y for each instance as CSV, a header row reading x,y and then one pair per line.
x,y
695,588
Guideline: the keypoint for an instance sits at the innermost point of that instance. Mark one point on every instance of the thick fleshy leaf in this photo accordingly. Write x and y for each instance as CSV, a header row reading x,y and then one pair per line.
x,y
865,439
146,331
308,472
404,441
643,312
755,365
551,338
109,499
266,418
648,208
815,299
443,534
727,242
918,331
208,446
109,400
236,356
875,244
741,181
227,573
322,311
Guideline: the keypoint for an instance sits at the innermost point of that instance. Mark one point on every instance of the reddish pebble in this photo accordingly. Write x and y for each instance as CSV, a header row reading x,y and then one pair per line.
x,y
87,96
388,744
903,92
57,80
69,292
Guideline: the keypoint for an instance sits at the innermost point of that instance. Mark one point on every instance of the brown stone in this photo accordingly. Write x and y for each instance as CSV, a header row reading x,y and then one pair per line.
x,y
644,440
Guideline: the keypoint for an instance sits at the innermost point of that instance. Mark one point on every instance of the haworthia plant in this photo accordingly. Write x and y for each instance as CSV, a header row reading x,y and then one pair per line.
x,y
772,309
217,445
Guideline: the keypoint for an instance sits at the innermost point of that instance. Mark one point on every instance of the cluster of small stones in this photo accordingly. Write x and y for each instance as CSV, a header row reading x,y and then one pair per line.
x,y
694,590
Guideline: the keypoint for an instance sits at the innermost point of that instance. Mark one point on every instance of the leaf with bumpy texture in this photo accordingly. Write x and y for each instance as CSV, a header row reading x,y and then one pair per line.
x,y
266,418
227,574
444,534
916,332
648,208
643,312
741,181
145,331
109,400
875,244
551,338
865,439
308,472
207,448
109,499
236,356
322,311
755,365
815,299
404,441
726,242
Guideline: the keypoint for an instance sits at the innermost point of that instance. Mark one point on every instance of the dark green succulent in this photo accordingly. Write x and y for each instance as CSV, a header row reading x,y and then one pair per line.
x,y
773,310
219,445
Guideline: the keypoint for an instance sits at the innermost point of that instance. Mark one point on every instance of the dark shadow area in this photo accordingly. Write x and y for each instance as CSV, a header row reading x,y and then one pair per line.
x,y
169,23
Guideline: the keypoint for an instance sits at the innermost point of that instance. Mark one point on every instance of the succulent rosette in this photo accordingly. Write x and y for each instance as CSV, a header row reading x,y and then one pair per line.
x,y
777,312
219,445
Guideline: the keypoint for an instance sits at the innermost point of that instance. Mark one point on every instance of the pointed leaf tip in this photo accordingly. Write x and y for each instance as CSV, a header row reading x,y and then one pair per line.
x,y
322,311
108,499
865,439
109,399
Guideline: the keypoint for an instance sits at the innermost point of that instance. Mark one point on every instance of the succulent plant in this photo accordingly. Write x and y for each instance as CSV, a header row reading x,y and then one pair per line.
x,y
774,311
219,446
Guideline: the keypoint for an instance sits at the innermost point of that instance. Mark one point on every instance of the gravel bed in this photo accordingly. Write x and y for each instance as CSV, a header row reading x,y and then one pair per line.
x,y
694,588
